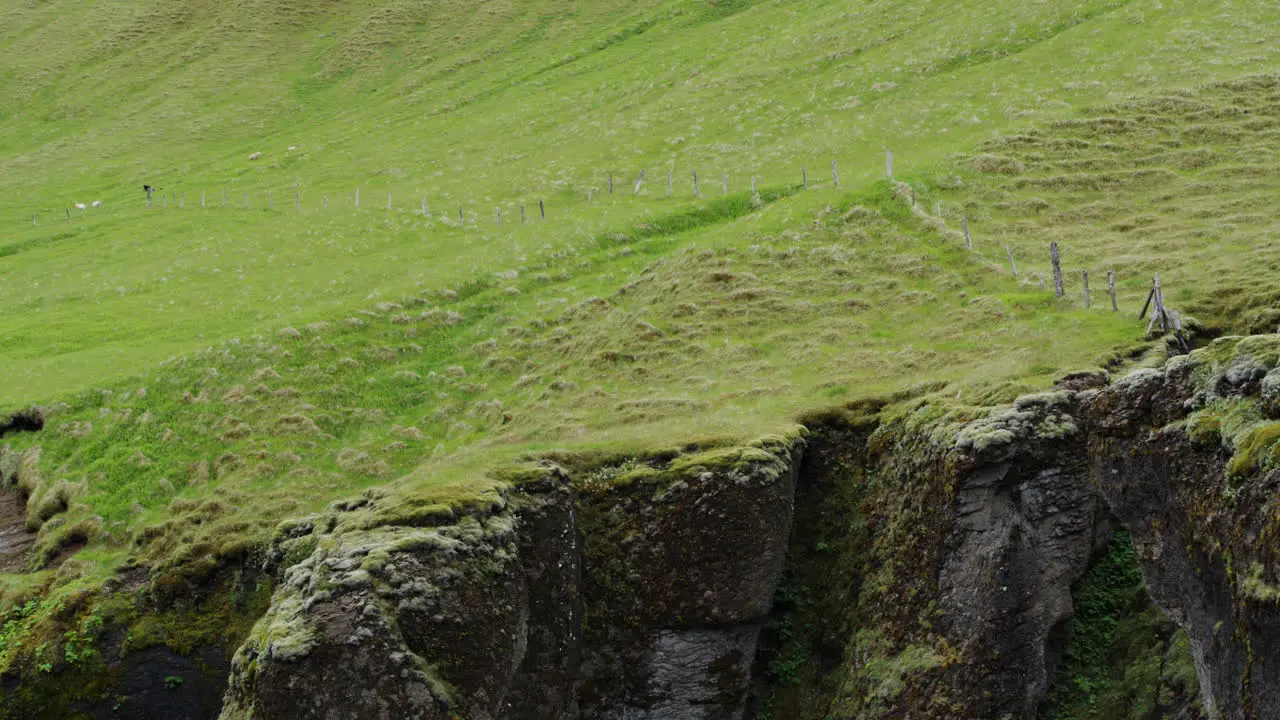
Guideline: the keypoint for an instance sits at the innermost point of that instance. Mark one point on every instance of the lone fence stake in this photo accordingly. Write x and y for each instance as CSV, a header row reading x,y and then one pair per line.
x,y
753,186
324,201
964,224
297,200
542,210
804,177
835,174
1012,264
888,163
695,184
639,182
1084,275
68,213
521,214
357,198
1056,261
669,190
424,206
1111,285
461,219
498,214
182,200
33,219
271,201
610,183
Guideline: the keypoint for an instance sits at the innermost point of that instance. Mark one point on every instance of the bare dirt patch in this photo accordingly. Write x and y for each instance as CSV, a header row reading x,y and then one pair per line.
x,y
14,538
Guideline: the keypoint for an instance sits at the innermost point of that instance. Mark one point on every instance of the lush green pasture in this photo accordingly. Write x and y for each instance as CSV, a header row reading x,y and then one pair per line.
x,y
487,108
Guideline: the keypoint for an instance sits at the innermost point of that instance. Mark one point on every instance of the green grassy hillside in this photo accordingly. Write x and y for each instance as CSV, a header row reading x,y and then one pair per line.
x,y
211,371
481,107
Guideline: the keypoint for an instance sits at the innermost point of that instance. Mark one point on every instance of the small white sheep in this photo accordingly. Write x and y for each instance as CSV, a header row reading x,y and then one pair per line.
x,y
255,156
292,148
80,206
97,203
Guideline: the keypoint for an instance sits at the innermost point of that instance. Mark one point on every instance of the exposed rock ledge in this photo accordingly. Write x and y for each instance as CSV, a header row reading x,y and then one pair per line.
x,y
516,612
644,598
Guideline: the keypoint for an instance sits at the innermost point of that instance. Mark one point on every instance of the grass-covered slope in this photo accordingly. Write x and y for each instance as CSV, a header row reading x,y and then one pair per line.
x,y
210,372
485,106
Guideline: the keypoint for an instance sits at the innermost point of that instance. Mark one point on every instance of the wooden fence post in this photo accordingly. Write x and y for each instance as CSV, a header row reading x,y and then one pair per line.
x,y
164,199
149,198
835,174
804,177
888,163
964,224
669,187
1012,264
357,198
461,220
913,195
542,210
610,183
695,184
1164,325
297,200
1111,285
33,219
324,201
639,182
1084,276
68,214
521,214
498,215
1056,261
271,201
424,206
753,186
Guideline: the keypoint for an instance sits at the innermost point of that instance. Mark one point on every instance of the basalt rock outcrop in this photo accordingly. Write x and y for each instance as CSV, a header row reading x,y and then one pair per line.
x,y
639,596
913,558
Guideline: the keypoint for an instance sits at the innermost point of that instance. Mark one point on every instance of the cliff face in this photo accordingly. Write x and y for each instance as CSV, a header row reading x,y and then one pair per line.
x,y
921,560
641,597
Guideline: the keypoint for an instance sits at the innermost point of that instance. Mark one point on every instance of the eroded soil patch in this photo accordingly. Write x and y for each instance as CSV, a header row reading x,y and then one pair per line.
x,y
14,538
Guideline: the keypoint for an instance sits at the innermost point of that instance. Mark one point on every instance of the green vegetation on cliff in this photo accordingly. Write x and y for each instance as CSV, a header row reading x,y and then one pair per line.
x,y
208,374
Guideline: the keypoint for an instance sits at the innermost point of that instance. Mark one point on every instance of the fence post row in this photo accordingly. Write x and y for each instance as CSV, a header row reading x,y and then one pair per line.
x,y
1055,260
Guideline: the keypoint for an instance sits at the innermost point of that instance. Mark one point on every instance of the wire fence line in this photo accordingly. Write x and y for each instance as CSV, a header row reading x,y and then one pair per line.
x,y
532,207
536,210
